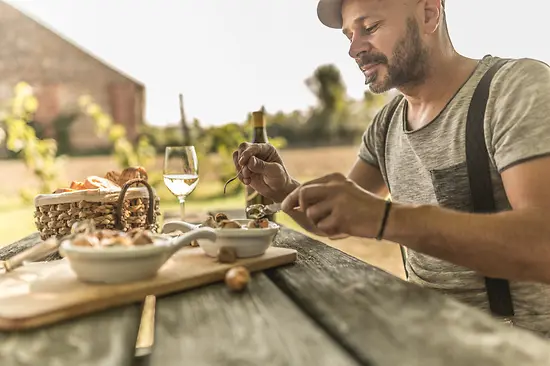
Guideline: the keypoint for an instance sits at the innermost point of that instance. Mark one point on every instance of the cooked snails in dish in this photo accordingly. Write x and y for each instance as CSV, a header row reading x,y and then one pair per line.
x,y
258,224
221,221
229,224
106,238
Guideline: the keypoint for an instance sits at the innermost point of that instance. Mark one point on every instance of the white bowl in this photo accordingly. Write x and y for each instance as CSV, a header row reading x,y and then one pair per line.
x,y
246,242
127,264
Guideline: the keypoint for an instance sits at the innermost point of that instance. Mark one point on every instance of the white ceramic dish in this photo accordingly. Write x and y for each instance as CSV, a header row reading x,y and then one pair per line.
x,y
246,242
127,264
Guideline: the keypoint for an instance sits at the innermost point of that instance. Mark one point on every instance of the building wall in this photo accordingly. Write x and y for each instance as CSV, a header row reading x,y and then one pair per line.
x,y
60,73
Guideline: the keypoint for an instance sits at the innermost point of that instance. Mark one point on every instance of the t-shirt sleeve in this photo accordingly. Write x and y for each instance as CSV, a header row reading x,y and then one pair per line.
x,y
372,141
520,121
367,149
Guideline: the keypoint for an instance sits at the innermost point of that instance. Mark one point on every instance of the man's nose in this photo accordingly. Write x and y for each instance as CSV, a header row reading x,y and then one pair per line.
x,y
356,47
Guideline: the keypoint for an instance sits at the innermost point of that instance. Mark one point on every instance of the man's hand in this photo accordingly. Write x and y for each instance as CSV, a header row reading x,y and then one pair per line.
x,y
263,169
337,206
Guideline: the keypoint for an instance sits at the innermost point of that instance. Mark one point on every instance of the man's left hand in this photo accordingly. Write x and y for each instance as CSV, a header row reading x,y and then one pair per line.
x,y
338,206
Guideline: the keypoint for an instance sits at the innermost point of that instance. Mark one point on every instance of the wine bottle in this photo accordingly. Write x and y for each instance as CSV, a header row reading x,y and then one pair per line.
x,y
259,135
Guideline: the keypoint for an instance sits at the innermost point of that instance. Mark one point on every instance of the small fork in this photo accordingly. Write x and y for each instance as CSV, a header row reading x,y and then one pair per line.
x,y
232,179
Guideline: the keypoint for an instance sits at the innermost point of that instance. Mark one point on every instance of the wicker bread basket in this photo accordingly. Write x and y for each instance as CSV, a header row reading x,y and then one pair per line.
x,y
122,209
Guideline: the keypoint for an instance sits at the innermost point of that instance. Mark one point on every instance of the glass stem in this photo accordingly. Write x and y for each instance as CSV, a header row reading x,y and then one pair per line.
x,y
182,208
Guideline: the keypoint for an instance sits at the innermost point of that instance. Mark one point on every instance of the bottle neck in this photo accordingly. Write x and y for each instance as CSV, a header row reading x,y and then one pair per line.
x,y
259,134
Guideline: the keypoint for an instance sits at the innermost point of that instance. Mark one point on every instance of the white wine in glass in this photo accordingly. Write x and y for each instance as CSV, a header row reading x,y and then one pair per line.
x,y
181,172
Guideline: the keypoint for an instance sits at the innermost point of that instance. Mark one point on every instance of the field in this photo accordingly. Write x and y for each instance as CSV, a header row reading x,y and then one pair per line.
x,y
16,218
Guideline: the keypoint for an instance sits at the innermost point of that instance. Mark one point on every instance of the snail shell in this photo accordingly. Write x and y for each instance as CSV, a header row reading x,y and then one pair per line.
x,y
85,240
143,238
220,217
237,278
210,222
116,241
226,255
229,224
257,224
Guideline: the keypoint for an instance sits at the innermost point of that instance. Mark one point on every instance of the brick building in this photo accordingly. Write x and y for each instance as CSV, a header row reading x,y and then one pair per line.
x,y
60,72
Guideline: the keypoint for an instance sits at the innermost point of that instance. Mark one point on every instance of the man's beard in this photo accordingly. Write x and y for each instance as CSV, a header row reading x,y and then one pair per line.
x,y
409,64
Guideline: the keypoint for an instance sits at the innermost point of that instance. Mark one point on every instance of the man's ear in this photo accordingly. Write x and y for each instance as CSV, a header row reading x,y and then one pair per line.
x,y
433,15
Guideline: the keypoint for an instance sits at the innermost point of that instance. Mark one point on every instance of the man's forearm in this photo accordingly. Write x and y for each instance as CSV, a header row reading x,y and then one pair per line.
x,y
511,244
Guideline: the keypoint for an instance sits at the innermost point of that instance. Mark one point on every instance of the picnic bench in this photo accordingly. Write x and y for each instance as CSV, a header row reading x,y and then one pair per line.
x,y
328,308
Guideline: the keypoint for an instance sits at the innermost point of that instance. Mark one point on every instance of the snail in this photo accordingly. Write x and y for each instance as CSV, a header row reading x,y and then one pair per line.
x,y
220,217
143,238
85,240
257,224
210,222
237,278
107,233
229,224
116,241
226,255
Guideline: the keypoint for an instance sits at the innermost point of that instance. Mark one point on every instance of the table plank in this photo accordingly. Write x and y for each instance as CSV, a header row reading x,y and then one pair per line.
x,y
261,326
105,338
383,320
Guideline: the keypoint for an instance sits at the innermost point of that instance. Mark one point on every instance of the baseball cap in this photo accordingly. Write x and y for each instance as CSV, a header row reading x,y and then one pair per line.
x,y
330,12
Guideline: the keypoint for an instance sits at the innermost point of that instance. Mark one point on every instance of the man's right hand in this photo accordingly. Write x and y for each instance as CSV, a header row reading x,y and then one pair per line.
x,y
263,170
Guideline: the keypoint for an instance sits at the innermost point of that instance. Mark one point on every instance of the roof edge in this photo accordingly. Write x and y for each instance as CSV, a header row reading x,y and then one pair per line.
x,y
74,44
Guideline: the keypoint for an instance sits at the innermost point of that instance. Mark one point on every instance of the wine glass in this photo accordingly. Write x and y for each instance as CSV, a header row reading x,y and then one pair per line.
x,y
181,172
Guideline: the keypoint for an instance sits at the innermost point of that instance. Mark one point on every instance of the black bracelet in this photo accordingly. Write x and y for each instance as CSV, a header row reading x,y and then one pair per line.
x,y
384,220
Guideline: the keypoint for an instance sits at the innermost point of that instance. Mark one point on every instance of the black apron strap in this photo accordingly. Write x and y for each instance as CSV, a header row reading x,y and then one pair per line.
x,y
481,187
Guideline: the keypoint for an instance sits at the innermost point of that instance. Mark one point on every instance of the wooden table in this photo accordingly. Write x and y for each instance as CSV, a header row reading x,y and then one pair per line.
x,y
326,309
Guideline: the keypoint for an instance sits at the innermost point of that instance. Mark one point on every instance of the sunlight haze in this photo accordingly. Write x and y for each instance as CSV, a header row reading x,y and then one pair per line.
x,y
228,57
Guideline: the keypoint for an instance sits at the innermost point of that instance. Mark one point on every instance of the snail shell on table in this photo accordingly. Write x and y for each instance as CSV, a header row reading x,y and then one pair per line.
x,y
226,255
237,278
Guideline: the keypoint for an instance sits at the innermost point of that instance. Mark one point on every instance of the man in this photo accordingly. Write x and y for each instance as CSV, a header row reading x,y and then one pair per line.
x,y
415,147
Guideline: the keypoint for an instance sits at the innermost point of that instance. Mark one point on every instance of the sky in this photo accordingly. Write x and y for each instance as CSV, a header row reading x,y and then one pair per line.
x,y
230,57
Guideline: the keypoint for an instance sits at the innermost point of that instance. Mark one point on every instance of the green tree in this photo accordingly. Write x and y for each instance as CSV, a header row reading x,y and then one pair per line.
x,y
327,120
39,155
327,85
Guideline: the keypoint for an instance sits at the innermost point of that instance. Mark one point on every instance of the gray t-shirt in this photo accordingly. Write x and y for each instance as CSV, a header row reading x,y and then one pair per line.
x,y
428,166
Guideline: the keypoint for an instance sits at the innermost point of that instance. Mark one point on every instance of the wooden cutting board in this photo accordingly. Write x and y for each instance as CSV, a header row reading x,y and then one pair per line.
x,y
43,293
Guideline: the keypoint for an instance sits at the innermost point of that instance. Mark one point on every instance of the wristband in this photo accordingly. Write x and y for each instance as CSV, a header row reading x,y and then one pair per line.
x,y
384,220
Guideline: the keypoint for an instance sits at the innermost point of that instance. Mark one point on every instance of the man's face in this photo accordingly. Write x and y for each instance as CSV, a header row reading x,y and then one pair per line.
x,y
385,42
